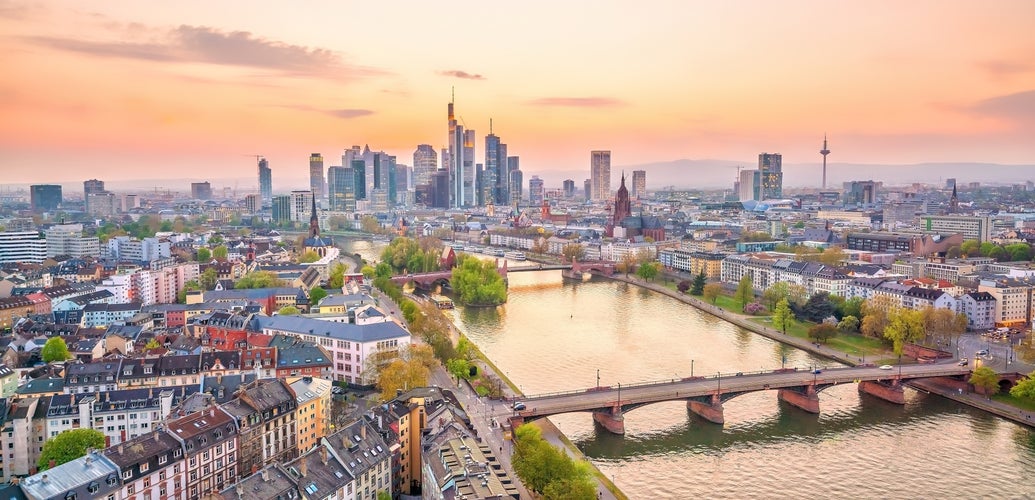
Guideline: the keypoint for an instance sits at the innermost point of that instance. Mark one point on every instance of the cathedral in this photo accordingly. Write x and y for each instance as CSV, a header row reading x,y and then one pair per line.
x,y
315,242
624,224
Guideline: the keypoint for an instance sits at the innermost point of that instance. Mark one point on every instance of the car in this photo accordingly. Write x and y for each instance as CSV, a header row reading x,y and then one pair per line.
x,y
963,362
518,406
885,367
817,370
983,352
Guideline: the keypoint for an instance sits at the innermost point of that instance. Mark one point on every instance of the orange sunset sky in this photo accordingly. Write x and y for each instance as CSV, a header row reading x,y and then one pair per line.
x,y
187,89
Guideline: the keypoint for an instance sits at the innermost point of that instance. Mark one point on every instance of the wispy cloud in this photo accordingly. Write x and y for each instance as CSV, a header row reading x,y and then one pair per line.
x,y
578,102
1018,107
455,73
209,45
1001,68
349,114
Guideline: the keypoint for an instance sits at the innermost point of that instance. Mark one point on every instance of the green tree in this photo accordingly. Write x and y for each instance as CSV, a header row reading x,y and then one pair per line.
x,y
848,324
316,295
573,251
288,311
367,271
258,279
627,264
851,307
1025,388
459,368
783,317
70,445
220,252
309,256
833,256
370,224
152,345
216,239
477,282
204,255
817,308
181,296
822,332
712,291
775,293
986,379
971,248
699,282
208,278
647,271
904,326
55,350
745,293
383,495
548,470
337,276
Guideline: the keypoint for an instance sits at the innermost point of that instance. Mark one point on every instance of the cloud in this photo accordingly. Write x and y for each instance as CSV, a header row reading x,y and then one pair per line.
x,y
1001,68
191,44
578,102
455,73
1019,107
349,114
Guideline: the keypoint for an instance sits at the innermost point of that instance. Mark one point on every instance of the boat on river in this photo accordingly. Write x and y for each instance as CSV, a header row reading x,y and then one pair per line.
x,y
515,255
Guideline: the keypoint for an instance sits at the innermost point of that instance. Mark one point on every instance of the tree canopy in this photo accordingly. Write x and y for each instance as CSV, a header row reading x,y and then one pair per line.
x,y
308,256
712,291
204,255
904,326
220,252
337,276
783,317
1025,388
699,282
259,279
288,311
55,350
70,445
414,256
548,470
316,295
477,282
648,271
745,293
987,379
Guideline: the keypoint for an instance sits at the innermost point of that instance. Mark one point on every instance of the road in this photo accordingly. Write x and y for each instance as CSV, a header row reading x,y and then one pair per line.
x,y
1000,354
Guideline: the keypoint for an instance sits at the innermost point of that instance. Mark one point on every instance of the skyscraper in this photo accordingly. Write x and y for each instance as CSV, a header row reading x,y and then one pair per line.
x,y
91,186
45,197
281,209
587,189
770,171
569,188
461,162
600,175
301,201
265,181
359,173
201,190
639,189
317,183
341,189
536,192
516,182
425,162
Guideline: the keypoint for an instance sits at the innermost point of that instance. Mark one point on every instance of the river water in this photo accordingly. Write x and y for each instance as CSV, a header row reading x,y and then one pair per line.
x,y
554,334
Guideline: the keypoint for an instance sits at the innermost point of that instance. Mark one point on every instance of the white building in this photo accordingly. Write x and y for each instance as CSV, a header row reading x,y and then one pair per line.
x,y
68,239
22,246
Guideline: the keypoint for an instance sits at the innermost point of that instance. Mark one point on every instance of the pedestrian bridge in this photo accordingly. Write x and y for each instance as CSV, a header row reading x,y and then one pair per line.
x,y
706,395
429,280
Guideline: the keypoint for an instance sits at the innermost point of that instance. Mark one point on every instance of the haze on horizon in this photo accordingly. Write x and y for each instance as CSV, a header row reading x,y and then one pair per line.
x,y
139,90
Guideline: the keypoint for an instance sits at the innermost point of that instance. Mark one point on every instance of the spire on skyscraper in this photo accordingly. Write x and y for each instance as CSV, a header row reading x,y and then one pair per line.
x,y
825,151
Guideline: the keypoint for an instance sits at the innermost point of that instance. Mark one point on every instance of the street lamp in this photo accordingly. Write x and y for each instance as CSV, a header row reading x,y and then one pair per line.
x,y
619,394
691,368
598,378
718,378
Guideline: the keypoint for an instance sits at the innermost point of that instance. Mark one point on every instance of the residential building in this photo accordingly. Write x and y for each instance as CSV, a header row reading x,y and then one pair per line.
x,y
210,442
150,465
980,309
96,315
693,262
536,192
92,377
264,412
88,477
313,413
305,360
1014,297
366,457
265,181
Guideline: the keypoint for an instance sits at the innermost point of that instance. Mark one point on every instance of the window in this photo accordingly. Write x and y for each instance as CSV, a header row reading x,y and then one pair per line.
x,y
163,459
127,474
93,487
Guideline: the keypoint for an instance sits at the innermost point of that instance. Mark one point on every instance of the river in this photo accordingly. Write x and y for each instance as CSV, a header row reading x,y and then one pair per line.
x,y
554,334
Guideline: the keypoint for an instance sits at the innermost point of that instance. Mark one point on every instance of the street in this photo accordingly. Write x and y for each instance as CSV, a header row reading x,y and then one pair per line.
x,y
1001,356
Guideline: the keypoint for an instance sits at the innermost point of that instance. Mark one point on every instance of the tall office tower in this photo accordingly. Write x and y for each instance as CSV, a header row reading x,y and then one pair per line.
x,y
513,164
388,177
317,183
950,183
403,183
502,192
265,181
770,171
569,188
600,175
639,189
102,204
252,203
860,192
482,192
359,173
536,192
201,190
587,189
440,189
425,162
341,189
825,151
497,169
468,162
516,186
461,162
281,208
301,203
44,197
749,186
89,187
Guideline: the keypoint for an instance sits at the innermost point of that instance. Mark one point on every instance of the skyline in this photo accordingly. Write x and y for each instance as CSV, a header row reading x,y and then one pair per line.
x,y
190,90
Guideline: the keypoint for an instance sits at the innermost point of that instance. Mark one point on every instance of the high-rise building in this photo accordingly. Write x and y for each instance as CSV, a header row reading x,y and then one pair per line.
x,y
600,175
639,189
440,189
341,189
403,184
483,193
770,170
129,202
317,183
569,188
22,247
252,203
750,186
45,197
201,190
265,181
461,162
102,204
281,209
536,192
301,203
359,173
517,187
950,183
497,169
425,162
89,187
860,192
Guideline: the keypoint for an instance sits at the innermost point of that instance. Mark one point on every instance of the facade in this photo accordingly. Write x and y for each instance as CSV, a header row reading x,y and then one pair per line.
x,y
972,228
103,204
150,466
600,175
770,170
693,262
639,184
1015,300
979,307
313,414
425,161
265,181
301,203
68,239
317,183
536,192
201,190
860,192
341,189
516,177
764,272
91,476
210,443
916,244
281,209
120,415
45,197
22,246
264,412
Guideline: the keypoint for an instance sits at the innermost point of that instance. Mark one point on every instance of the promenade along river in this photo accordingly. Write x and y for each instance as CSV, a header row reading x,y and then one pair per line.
x,y
554,334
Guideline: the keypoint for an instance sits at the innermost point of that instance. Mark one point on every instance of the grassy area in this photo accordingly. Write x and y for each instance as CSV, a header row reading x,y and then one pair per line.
x,y
484,359
1022,403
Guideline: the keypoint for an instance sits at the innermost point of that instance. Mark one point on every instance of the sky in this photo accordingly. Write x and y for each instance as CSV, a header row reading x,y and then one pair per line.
x,y
194,89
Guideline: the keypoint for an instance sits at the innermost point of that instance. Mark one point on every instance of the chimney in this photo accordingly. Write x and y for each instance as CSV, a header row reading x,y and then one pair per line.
x,y
219,379
265,475
121,448
51,465
73,398
44,479
363,431
303,467
323,454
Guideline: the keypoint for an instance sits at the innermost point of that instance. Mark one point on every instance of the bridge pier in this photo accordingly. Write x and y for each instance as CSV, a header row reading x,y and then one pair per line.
x,y
710,410
890,391
807,400
612,420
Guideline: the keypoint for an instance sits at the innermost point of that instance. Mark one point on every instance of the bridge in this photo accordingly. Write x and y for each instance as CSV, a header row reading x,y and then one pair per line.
x,y
429,280
706,395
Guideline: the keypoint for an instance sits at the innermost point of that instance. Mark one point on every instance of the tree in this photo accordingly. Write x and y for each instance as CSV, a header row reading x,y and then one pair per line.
x,y
1025,388
316,295
833,256
309,256
745,293
548,470
818,308
848,324
370,224
55,350
540,246
851,307
367,271
699,282
627,264
712,291
192,285
208,278
904,325
822,332
986,379
258,279
477,282
152,345
405,368
204,255
573,251
971,248
459,368
875,316
288,311
337,276
775,293
797,294
648,271
70,445
683,286
782,316
220,252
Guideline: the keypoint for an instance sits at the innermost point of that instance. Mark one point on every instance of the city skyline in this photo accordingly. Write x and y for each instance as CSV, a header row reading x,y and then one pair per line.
x,y
185,90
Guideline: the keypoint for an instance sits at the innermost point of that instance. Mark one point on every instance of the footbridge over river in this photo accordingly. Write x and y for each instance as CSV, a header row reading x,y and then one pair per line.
x,y
706,395
429,280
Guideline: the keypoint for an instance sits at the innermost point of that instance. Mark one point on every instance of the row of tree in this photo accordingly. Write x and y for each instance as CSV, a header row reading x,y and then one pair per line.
x,y
1012,252
477,282
549,471
408,255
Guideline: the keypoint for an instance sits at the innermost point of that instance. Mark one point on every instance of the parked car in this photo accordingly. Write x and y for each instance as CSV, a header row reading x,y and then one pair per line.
x,y
518,406
885,367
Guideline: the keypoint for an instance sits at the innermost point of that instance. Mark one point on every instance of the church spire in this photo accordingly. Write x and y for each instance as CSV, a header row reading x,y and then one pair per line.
x,y
954,202
314,222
